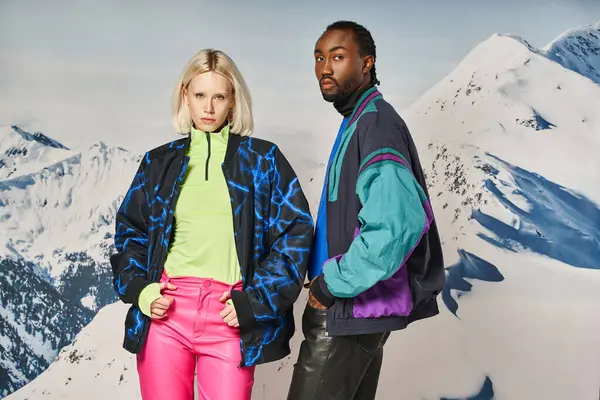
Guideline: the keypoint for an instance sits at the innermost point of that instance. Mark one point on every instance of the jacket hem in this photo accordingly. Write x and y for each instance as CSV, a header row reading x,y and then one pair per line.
x,y
358,326
274,351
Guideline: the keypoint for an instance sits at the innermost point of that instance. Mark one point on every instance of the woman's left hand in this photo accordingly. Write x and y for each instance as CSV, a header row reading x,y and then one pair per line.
x,y
228,314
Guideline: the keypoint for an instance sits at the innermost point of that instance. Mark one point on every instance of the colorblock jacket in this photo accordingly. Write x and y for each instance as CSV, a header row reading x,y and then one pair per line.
x,y
385,266
273,232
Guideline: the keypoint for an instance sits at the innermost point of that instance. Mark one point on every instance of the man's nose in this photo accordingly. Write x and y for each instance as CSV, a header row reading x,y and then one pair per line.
x,y
326,71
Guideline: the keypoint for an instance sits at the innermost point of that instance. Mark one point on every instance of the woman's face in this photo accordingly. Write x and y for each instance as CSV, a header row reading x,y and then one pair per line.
x,y
209,97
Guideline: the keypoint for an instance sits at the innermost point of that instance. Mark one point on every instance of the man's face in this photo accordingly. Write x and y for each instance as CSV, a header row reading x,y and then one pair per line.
x,y
339,67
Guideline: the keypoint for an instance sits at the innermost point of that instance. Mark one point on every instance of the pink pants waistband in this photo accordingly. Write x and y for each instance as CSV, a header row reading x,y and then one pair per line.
x,y
211,283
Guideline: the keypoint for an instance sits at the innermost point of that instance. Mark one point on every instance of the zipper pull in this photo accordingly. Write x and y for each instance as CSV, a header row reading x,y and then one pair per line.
x,y
207,157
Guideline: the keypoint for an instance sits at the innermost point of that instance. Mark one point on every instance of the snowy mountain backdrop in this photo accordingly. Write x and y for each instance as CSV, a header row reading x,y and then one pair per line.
x,y
57,209
509,140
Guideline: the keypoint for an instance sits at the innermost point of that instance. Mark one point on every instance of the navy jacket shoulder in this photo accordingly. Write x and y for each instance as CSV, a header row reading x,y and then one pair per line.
x,y
384,128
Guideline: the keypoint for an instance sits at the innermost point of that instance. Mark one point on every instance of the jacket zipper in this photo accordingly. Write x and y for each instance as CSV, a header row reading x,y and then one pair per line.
x,y
208,156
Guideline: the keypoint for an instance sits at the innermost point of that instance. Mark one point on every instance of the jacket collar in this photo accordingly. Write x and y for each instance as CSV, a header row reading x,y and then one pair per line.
x,y
233,144
368,96
348,104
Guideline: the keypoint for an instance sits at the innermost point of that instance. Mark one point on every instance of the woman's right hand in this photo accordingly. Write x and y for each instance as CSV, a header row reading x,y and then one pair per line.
x,y
160,306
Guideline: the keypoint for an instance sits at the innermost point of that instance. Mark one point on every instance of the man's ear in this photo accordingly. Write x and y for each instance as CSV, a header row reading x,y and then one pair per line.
x,y
368,62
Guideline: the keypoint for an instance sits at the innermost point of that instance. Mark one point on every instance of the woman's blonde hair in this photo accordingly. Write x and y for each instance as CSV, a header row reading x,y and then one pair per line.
x,y
241,120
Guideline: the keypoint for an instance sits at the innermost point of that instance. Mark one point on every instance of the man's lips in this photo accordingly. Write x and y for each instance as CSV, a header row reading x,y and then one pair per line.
x,y
327,84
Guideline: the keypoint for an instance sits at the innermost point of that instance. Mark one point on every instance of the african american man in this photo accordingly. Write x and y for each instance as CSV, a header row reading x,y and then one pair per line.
x,y
376,262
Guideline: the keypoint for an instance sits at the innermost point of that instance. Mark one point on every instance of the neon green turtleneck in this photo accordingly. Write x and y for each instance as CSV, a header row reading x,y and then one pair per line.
x,y
203,244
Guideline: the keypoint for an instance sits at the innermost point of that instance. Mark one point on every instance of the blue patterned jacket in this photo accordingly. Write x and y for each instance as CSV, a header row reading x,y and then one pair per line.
x,y
273,235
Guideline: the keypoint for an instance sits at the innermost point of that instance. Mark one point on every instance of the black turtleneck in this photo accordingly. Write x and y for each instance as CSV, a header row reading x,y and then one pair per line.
x,y
346,106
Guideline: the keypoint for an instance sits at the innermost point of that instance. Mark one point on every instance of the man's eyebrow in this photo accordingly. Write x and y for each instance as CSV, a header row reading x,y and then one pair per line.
x,y
331,49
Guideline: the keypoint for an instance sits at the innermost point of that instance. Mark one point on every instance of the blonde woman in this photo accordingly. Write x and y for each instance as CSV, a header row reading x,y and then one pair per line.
x,y
212,244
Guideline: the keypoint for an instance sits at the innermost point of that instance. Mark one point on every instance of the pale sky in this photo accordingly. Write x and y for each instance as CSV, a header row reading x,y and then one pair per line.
x,y
82,71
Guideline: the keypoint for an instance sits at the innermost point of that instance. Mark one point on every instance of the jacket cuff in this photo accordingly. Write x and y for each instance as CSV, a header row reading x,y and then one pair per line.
x,y
134,288
243,310
147,296
321,292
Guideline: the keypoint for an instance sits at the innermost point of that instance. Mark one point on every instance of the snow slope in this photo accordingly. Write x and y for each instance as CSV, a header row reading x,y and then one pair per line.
x,y
35,321
83,370
509,141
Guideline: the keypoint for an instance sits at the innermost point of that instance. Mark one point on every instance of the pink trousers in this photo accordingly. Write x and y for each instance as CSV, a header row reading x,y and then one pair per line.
x,y
192,337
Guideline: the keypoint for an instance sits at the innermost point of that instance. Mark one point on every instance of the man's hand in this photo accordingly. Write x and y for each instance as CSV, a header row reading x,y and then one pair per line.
x,y
160,306
312,301
228,314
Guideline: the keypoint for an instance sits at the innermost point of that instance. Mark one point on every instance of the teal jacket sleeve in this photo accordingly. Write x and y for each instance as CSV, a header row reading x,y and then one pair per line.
x,y
392,220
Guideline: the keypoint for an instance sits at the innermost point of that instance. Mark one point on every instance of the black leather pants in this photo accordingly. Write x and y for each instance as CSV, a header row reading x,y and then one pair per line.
x,y
335,368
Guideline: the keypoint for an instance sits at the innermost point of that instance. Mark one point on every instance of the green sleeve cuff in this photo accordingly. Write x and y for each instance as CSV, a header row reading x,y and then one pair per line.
x,y
147,296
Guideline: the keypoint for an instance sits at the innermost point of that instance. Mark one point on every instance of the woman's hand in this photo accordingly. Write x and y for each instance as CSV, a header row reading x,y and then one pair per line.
x,y
228,314
160,306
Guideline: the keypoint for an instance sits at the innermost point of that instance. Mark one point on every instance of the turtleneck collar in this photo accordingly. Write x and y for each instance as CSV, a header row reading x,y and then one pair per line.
x,y
346,106
199,138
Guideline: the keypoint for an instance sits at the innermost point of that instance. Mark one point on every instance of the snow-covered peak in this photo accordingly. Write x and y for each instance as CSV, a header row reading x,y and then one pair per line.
x,y
505,72
105,151
23,152
38,137
494,51
578,49
518,39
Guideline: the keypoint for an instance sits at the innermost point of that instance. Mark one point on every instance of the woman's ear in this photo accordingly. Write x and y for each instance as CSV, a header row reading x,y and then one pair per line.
x,y
184,95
